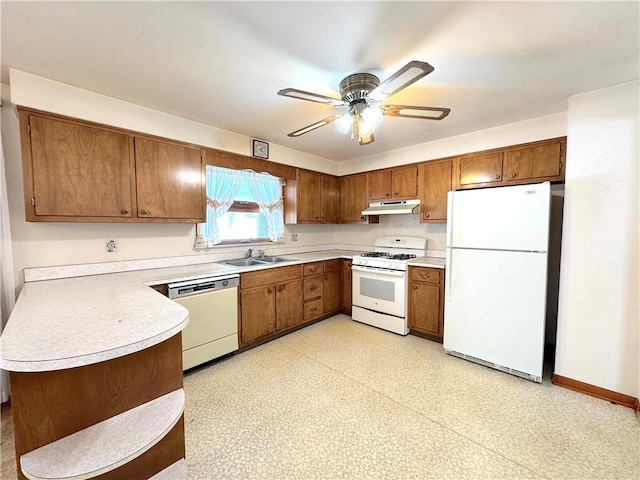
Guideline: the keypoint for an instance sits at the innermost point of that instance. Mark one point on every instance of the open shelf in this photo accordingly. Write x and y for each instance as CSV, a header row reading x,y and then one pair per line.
x,y
177,471
107,445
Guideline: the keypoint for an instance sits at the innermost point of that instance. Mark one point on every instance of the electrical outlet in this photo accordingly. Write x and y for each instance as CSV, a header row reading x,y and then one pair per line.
x,y
111,246
294,237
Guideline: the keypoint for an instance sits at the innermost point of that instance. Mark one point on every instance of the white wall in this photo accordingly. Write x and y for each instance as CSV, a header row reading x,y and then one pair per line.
x,y
597,340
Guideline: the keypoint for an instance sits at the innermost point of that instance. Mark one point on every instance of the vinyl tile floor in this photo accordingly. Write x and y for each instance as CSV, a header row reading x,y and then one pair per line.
x,y
342,400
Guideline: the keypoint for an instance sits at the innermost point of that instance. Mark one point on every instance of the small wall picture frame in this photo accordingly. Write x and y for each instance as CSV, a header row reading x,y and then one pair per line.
x,y
259,149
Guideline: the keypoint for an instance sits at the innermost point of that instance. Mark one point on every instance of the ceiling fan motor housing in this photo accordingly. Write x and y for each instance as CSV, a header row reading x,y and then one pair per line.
x,y
357,87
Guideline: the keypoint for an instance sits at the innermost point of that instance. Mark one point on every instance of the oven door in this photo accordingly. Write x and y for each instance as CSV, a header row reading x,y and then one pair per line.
x,y
380,290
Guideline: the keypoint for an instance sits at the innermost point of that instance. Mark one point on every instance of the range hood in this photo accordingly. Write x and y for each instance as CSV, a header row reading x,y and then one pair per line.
x,y
392,207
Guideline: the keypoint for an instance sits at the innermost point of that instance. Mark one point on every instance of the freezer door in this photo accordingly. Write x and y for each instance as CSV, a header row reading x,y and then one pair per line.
x,y
503,218
495,307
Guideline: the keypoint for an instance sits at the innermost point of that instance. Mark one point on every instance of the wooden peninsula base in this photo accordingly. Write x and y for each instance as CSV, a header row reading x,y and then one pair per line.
x,y
50,405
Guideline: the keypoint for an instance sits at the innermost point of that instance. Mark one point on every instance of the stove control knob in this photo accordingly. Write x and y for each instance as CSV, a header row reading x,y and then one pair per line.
x,y
389,264
364,262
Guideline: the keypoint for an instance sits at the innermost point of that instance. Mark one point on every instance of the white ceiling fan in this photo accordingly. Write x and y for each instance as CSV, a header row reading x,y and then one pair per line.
x,y
362,94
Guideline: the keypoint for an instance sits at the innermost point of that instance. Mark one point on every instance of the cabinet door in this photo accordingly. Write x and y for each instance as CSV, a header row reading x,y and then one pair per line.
x,y
404,182
331,294
380,185
353,198
79,171
478,169
288,305
434,183
329,199
424,308
258,314
169,180
346,285
309,185
534,162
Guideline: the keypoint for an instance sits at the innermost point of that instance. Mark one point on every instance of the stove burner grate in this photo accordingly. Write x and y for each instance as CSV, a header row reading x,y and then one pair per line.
x,y
402,256
374,254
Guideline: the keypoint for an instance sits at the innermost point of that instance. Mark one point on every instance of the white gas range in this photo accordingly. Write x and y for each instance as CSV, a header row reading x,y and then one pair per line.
x,y
380,283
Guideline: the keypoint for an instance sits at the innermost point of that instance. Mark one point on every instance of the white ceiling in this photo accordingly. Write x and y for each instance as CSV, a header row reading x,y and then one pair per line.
x,y
221,63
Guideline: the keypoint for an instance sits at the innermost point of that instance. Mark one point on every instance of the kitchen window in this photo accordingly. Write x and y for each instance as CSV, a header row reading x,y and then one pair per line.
x,y
242,206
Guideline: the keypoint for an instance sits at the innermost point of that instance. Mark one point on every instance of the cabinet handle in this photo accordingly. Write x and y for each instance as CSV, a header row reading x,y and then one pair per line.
x,y
279,288
387,194
270,290
124,211
317,217
362,217
415,287
313,288
397,194
426,215
513,175
144,212
322,217
497,177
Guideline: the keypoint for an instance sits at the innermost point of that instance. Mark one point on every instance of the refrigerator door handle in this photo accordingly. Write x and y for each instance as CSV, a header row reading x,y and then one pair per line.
x,y
449,218
448,274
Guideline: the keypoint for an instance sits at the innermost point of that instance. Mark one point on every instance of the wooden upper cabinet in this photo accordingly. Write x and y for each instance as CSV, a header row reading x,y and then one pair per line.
x,y
314,199
526,163
434,182
540,161
308,205
329,199
75,170
380,185
481,169
404,182
396,184
169,180
354,199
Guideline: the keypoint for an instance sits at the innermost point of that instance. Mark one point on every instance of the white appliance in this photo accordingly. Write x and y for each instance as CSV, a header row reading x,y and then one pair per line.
x,y
380,283
212,330
496,282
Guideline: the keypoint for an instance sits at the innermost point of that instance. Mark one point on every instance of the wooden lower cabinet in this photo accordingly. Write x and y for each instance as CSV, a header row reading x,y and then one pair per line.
x,y
322,288
426,301
270,301
258,314
346,286
277,300
288,305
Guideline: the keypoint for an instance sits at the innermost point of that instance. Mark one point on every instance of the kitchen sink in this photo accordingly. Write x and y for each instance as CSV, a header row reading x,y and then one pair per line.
x,y
243,262
267,259
247,262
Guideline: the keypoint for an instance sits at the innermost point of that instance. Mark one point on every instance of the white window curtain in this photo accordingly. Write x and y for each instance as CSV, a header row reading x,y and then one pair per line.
x,y
267,193
223,185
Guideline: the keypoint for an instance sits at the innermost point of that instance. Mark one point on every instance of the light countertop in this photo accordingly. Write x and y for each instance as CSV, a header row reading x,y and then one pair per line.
x,y
433,262
71,322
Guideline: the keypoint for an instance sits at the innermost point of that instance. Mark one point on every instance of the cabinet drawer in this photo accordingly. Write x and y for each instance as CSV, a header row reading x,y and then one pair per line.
x,y
313,287
312,268
270,276
422,274
332,265
313,309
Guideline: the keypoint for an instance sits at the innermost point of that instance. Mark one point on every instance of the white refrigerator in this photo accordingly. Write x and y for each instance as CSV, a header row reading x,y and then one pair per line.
x,y
496,277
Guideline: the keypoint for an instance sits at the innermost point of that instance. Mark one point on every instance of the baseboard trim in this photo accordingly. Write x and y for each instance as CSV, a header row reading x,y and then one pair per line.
x,y
598,392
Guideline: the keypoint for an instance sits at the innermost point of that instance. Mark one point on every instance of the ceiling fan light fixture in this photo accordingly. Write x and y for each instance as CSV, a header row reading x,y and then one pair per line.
x,y
345,123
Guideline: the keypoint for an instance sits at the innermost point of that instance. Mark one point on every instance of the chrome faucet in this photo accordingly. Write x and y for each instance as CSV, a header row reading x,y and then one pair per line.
x,y
261,253
249,253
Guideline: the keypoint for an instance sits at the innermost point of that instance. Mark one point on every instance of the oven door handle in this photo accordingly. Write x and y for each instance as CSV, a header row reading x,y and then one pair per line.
x,y
378,271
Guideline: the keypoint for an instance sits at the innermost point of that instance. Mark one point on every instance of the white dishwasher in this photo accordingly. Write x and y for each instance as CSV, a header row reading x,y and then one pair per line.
x,y
212,330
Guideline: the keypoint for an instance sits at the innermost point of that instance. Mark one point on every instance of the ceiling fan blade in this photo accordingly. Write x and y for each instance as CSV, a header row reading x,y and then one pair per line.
x,y
412,111
312,97
404,77
313,126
